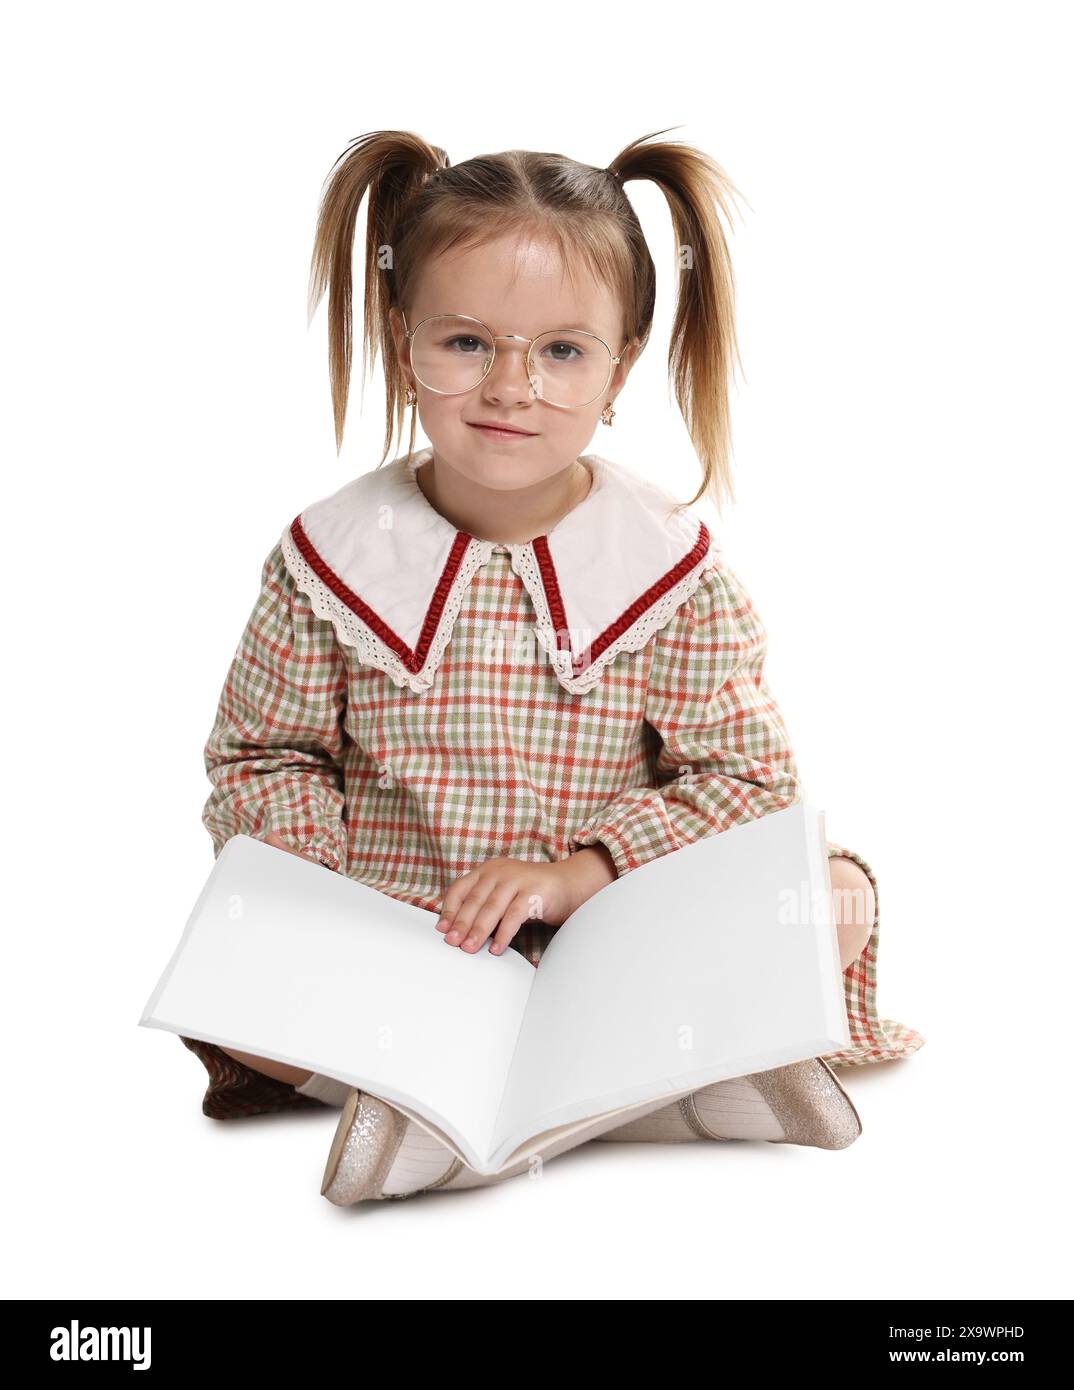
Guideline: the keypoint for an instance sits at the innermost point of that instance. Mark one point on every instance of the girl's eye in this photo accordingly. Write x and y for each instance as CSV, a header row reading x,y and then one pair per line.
x,y
464,344
560,352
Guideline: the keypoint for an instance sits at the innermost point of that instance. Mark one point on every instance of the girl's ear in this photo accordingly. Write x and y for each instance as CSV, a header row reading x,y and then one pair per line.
x,y
395,323
627,358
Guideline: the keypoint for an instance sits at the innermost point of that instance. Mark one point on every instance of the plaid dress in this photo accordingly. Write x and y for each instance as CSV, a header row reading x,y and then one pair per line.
x,y
405,764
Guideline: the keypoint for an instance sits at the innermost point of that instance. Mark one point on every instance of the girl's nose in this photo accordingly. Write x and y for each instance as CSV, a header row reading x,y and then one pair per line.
x,y
508,379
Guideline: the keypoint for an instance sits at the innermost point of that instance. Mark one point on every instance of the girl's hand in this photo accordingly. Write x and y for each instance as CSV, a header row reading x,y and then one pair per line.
x,y
501,894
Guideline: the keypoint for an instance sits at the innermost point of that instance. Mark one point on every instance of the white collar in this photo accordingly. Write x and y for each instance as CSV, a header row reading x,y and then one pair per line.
x,y
379,562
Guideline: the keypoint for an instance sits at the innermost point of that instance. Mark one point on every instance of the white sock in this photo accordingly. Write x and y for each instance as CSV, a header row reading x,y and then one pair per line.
x,y
421,1160
326,1089
736,1110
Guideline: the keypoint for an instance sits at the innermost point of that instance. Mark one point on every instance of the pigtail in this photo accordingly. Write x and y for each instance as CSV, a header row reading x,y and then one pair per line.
x,y
392,165
704,345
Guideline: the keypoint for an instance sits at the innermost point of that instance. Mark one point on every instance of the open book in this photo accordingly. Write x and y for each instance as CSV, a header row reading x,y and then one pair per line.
x,y
713,961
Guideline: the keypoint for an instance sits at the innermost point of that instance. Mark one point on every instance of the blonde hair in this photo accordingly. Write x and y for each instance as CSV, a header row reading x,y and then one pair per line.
x,y
420,205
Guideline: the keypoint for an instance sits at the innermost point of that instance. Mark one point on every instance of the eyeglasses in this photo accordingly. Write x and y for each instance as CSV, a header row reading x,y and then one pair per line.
x,y
453,353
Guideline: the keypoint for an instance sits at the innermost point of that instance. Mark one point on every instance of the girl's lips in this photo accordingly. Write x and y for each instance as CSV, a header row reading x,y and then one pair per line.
x,y
494,433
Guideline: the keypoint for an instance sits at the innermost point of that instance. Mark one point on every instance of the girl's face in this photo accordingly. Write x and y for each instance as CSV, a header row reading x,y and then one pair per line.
x,y
520,289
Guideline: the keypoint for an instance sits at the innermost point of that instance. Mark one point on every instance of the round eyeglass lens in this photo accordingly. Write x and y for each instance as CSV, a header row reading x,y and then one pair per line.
x,y
569,368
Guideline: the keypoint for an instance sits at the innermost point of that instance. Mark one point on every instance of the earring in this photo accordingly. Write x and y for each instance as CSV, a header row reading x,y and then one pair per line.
x,y
411,394
607,413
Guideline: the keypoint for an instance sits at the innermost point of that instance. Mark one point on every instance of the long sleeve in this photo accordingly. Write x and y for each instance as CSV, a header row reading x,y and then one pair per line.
x,y
274,756
724,756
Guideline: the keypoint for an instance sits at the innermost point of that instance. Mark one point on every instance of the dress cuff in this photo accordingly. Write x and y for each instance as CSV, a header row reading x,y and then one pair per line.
x,y
304,835
624,855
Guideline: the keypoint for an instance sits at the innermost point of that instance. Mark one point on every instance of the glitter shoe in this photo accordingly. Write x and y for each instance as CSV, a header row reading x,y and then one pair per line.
x,y
362,1159
803,1103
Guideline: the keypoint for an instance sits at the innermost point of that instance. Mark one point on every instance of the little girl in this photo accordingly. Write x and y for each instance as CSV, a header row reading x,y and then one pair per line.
x,y
496,674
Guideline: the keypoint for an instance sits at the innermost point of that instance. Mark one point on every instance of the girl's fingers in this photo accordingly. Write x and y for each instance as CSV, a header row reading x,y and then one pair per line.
x,y
503,932
463,919
488,918
454,899
510,922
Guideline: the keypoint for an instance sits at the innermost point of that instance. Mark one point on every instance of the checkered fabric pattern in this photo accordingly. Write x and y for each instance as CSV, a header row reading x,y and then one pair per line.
x,y
406,792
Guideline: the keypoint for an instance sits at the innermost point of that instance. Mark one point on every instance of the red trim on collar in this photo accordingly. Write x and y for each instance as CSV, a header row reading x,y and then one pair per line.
x,y
627,618
412,660
415,660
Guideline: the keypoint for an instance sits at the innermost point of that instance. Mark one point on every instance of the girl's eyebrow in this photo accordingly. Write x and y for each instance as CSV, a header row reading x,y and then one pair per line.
x,y
556,328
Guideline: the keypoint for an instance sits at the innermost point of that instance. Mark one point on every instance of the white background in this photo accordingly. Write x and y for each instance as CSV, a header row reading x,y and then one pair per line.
x,y
903,449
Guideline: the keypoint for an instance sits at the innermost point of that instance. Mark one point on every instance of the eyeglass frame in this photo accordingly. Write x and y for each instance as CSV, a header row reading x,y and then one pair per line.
x,y
614,359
